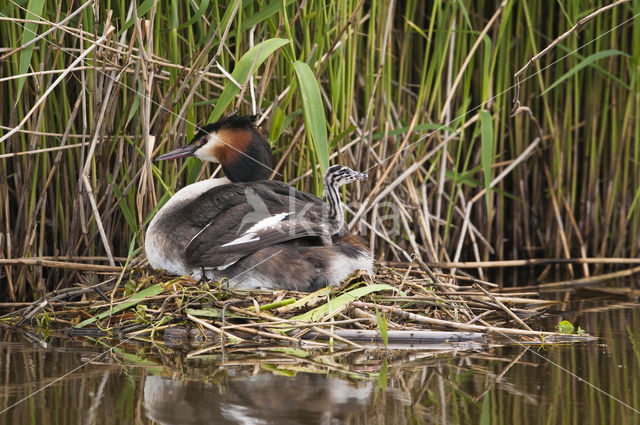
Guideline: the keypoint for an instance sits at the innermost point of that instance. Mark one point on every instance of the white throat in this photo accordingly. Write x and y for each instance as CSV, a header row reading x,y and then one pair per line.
x,y
205,153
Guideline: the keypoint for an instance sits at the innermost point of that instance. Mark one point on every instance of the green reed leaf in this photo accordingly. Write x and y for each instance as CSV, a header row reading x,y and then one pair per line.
x,y
486,135
132,300
196,16
29,33
585,62
313,110
249,62
382,328
263,14
336,303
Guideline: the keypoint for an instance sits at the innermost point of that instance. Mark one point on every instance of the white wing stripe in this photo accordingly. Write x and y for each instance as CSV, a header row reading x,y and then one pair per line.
x,y
265,223
245,238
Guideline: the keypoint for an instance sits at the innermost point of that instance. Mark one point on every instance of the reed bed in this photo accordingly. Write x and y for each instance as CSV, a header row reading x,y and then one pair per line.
x,y
420,96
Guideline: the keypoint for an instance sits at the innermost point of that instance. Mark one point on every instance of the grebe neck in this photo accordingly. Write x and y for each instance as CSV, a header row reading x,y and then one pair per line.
x,y
335,216
335,177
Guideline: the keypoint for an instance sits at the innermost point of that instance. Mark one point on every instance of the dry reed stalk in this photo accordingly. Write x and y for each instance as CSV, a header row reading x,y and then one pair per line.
x,y
11,305
530,262
56,25
372,119
335,334
39,151
292,324
502,306
493,330
68,265
407,336
269,335
58,80
221,332
561,232
576,229
582,22
573,283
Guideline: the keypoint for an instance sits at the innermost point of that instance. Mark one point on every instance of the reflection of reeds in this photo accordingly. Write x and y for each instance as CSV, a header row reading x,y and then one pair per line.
x,y
607,391
28,367
76,177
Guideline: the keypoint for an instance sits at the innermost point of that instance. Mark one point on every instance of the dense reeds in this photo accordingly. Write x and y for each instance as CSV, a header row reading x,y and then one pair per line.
x,y
419,96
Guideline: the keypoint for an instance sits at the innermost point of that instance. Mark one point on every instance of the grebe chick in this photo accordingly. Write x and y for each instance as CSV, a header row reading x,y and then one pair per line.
x,y
260,234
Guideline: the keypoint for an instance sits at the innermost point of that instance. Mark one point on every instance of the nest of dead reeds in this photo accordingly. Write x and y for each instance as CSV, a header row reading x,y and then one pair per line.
x,y
398,307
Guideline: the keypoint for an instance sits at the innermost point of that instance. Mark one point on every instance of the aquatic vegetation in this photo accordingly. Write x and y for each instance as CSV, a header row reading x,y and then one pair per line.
x,y
490,131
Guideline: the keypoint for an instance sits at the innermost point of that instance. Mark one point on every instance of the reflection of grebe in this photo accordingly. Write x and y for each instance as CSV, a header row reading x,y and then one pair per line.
x,y
257,399
259,233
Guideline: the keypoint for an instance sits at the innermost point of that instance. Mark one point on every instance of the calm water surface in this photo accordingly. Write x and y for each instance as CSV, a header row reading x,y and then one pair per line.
x,y
137,383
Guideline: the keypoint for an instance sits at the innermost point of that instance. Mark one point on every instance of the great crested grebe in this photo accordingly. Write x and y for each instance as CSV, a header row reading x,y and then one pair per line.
x,y
258,233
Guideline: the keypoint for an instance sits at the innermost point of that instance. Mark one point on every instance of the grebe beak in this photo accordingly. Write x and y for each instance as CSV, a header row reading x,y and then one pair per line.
x,y
182,152
357,176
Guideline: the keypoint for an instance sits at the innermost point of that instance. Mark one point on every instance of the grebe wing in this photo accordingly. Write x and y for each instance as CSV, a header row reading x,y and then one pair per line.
x,y
276,196
286,191
235,220
232,246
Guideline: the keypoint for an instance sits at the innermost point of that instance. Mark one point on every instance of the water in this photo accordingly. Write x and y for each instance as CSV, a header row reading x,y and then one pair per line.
x,y
139,383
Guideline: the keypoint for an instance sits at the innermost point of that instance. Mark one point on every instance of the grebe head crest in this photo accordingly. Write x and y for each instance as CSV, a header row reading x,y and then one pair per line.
x,y
235,143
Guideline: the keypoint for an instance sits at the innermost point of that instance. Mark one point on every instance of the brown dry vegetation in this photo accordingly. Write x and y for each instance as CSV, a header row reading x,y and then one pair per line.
x,y
420,97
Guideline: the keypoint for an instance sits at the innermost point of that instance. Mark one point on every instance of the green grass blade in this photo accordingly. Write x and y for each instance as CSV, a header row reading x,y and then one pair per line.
x,y
486,135
124,207
263,14
258,54
313,110
586,62
132,300
634,204
381,384
275,305
341,300
382,328
196,16
28,34
141,10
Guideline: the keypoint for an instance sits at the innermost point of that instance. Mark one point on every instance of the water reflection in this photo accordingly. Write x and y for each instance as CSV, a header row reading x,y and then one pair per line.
x,y
142,384
258,399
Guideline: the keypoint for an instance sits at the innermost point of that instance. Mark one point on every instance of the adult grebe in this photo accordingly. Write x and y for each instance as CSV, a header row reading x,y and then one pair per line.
x,y
259,234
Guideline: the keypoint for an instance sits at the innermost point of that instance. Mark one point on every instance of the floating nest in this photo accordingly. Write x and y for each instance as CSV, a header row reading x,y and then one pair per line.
x,y
400,307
